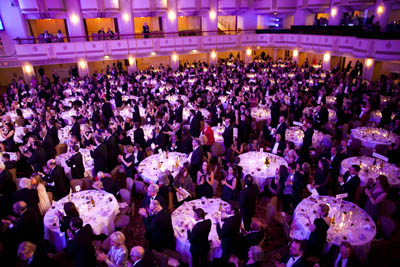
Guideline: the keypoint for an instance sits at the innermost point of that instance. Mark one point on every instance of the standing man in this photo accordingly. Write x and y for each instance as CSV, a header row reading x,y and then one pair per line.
x,y
248,200
229,233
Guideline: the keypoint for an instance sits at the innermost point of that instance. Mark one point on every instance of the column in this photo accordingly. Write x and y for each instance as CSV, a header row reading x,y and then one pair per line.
x,y
247,55
174,61
170,20
83,68
326,62
382,12
295,55
125,19
132,65
335,16
74,20
14,24
28,71
209,20
274,55
368,69
213,57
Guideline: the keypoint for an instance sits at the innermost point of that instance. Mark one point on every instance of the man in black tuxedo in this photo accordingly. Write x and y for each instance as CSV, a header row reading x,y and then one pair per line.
x,y
33,255
341,256
281,128
76,164
48,143
160,139
9,164
112,148
56,180
244,129
229,233
252,237
7,189
29,225
307,139
151,195
76,128
228,134
138,136
27,194
53,131
198,238
278,147
294,257
350,182
335,158
107,112
158,224
136,112
179,111
100,156
138,155
38,158
140,257
196,157
194,124
248,200
80,247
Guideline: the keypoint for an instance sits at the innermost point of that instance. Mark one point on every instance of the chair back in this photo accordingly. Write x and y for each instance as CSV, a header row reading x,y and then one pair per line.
x,y
161,259
61,149
387,226
125,195
87,183
140,187
13,172
129,184
74,183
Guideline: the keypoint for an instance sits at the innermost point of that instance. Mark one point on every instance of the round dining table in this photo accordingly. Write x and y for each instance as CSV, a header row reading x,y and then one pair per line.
x,y
99,213
350,223
260,113
371,137
371,168
295,134
183,219
152,166
260,165
147,130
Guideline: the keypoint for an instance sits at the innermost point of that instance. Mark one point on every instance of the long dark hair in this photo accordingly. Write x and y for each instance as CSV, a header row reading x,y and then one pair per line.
x,y
70,210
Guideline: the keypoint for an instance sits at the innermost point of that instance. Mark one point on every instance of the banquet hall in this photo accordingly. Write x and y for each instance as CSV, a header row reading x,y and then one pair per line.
x,y
200,133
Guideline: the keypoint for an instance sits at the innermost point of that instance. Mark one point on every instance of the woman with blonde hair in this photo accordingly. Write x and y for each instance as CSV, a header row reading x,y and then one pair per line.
x,y
38,184
256,255
117,256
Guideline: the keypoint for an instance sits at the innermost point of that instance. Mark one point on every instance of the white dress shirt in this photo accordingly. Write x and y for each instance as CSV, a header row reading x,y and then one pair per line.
x,y
292,261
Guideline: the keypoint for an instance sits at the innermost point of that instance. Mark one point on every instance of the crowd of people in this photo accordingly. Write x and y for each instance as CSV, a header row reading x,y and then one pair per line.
x,y
47,37
227,90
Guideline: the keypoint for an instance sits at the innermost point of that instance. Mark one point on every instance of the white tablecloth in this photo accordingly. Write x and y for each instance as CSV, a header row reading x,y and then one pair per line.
x,y
218,131
147,129
87,161
20,133
352,224
186,113
295,134
260,113
371,171
13,156
67,115
331,116
127,112
254,163
370,137
184,217
26,112
172,99
152,166
100,217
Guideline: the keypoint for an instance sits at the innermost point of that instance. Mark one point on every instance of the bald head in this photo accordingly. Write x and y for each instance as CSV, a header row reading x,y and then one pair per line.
x,y
137,253
19,207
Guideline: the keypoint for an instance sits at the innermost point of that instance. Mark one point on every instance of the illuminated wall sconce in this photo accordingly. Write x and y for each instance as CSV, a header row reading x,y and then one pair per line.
x,y
171,15
74,19
131,60
194,51
379,10
153,53
334,12
28,69
174,57
369,62
327,57
213,15
125,17
213,55
248,52
295,53
82,64
106,57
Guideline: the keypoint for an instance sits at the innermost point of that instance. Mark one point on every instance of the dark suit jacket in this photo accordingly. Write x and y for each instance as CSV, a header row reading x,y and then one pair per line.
x,y
198,237
281,147
330,259
147,261
76,130
350,187
76,164
248,199
111,185
61,182
53,132
146,201
301,262
282,131
49,146
307,140
178,114
29,196
195,126
138,137
100,157
229,232
159,231
228,136
29,227
81,249
38,159
112,151
197,159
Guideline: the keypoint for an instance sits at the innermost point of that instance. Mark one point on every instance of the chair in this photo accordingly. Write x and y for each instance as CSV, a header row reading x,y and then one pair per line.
x,y
364,151
129,184
387,226
163,259
355,146
173,257
13,172
74,183
217,149
140,187
356,124
121,221
381,149
50,195
87,183
125,195
387,208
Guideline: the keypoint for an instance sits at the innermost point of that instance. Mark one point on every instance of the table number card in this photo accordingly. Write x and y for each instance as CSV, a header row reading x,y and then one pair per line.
x,y
379,156
341,196
77,188
235,132
297,123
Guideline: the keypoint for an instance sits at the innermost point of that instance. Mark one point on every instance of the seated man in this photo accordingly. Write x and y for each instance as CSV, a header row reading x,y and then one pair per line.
x,y
350,182
278,146
341,256
294,258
